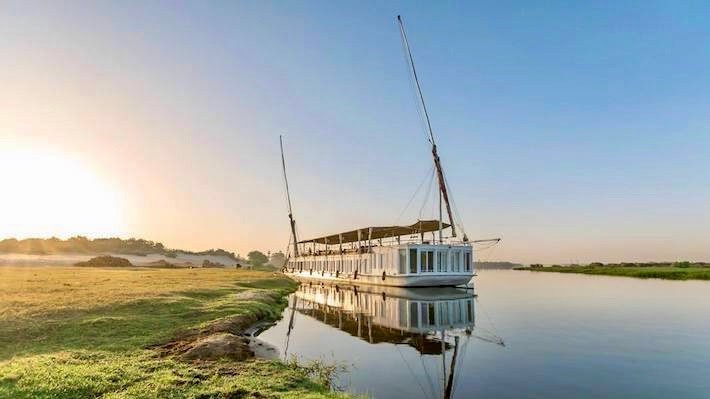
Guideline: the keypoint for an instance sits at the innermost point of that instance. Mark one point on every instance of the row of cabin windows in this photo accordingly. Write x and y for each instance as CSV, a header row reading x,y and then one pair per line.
x,y
428,314
418,261
346,266
429,261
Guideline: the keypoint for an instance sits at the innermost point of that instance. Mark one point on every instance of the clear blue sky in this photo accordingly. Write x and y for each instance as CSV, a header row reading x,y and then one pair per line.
x,y
576,131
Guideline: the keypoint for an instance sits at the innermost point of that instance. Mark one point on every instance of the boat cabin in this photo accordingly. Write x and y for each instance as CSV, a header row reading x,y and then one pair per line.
x,y
376,253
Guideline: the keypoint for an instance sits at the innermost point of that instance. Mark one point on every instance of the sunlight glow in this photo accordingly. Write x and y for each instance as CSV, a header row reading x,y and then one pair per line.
x,y
48,194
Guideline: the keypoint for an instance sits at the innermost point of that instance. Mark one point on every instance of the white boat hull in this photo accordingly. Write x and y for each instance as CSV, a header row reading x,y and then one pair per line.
x,y
433,280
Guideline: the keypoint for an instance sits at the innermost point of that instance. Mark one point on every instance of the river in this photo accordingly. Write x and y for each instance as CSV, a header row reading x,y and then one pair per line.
x,y
522,335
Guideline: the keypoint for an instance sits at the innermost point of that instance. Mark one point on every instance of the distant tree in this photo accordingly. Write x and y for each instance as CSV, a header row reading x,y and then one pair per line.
x,y
257,258
277,259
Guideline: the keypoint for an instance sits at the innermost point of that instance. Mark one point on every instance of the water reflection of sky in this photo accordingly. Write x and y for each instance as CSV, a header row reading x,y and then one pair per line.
x,y
565,336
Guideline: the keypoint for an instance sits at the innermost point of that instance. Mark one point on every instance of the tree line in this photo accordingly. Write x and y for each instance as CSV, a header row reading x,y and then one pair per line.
x,y
84,245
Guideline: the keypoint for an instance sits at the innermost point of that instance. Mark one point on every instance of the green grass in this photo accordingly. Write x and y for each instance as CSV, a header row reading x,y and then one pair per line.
x,y
680,271
86,333
140,374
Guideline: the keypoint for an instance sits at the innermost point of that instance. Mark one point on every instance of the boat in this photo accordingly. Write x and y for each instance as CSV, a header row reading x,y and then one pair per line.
x,y
415,255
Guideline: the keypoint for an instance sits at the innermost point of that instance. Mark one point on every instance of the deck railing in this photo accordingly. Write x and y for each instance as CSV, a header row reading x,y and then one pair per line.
x,y
365,249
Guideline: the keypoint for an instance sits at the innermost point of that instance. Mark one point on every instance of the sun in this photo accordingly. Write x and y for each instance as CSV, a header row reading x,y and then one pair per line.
x,y
44,194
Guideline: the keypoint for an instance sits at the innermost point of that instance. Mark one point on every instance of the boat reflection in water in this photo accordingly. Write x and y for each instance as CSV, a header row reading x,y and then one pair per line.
x,y
412,316
430,320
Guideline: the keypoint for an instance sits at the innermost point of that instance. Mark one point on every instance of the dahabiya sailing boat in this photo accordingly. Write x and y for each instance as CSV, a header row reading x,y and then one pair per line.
x,y
387,255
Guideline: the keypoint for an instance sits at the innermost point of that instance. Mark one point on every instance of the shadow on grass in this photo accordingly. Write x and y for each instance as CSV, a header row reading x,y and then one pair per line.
x,y
133,325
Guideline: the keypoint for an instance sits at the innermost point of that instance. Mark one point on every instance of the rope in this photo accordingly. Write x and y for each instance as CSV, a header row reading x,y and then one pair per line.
x,y
462,355
414,377
489,255
490,321
429,175
426,199
428,377
414,82
459,219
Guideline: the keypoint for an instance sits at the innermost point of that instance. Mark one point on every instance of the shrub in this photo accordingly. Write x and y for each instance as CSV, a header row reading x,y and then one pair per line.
x,y
257,258
106,261
683,265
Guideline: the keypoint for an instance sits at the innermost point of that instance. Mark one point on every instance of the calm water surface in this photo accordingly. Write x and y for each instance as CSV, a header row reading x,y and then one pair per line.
x,y
525,335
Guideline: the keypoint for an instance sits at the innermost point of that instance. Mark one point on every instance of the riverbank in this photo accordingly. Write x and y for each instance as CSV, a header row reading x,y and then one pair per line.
x,y
69,332
667,271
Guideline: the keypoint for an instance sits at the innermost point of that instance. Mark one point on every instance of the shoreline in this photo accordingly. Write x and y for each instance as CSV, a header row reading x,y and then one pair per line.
x,y
679,273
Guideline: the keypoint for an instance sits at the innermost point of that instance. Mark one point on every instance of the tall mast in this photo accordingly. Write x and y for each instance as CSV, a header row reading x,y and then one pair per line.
x,y
434,153
288,197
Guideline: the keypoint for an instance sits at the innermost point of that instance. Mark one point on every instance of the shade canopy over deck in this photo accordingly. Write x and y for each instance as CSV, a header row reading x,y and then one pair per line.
x,y
377,232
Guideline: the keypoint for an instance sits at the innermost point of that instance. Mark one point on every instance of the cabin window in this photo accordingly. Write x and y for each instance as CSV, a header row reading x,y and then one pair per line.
x,y
444,313
413,260
456,261
467,261
427,261
413,314
428,314
441,261
457,311
402,261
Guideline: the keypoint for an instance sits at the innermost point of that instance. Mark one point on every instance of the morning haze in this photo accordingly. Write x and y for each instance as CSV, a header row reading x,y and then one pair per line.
x,y
576,134
331,200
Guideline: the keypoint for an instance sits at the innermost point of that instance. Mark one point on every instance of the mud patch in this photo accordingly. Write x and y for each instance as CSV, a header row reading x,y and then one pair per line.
x,y
229,338
219,346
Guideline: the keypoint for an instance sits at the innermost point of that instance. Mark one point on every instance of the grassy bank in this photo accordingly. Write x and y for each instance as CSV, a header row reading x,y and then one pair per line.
x,y
68,332
668,271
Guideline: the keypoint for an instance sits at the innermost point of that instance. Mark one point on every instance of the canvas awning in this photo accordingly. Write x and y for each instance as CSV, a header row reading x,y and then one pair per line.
x,y
422,226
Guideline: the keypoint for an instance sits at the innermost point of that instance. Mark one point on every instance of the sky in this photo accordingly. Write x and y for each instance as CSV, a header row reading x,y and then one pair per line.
x,y
575,131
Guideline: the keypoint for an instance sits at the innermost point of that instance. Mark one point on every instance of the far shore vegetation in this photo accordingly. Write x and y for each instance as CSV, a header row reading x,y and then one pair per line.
x,y
82,332
102,247
495,265
256,261
682,270
83,245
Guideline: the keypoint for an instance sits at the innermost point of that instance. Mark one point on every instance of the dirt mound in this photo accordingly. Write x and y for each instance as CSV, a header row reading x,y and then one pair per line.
x,y
223,338
162,263
219,346
106,261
